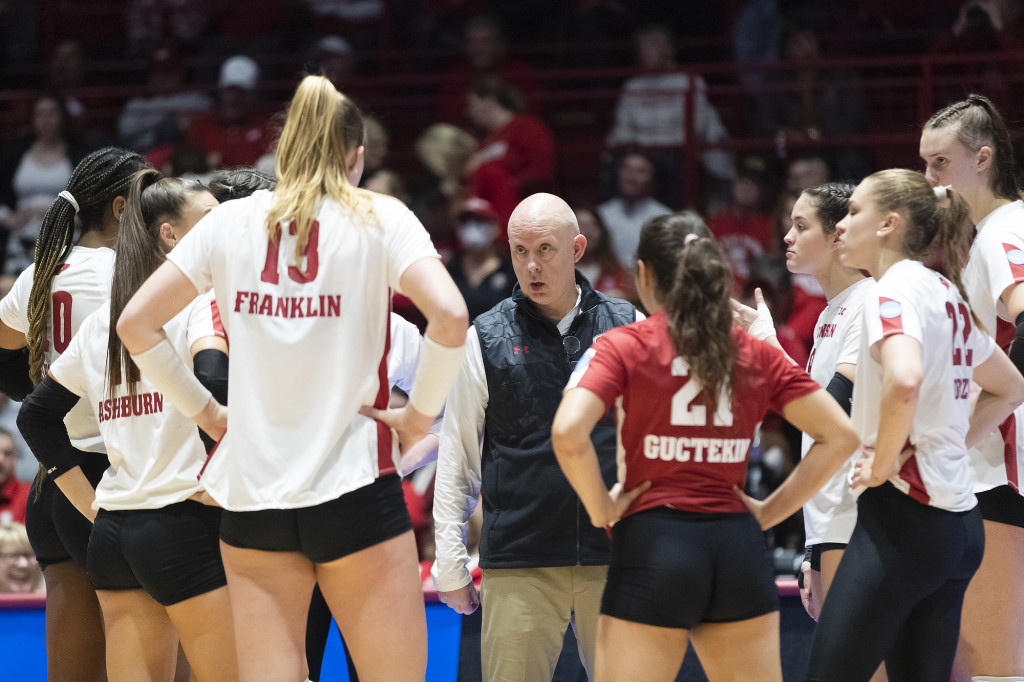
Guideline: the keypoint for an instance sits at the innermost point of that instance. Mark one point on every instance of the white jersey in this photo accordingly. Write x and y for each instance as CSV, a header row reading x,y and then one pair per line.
x,y
831,514
155,451
309,346
913,300
996,262
78,290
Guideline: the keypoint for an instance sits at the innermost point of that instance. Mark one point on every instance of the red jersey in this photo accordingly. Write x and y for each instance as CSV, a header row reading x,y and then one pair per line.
x,y
667,432
13,500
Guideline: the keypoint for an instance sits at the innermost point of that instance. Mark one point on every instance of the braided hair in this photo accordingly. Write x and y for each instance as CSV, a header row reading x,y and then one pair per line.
x,y
238,183
96,181
831,201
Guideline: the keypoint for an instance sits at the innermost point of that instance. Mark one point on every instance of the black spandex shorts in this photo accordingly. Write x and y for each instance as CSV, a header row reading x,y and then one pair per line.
x,y
359,519
1002,504
814,552
677,569
58,532
173,553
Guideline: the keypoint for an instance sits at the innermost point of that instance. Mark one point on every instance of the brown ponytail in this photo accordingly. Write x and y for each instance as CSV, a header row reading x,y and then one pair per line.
x,y
694,284
152,200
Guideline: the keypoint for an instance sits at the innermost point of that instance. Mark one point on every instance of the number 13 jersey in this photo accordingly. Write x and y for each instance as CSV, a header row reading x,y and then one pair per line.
x,y
309,343
80,288
667,432
913,300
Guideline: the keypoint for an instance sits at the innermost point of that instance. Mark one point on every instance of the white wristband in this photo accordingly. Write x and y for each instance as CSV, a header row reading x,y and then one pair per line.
x,y
435,374
763,326
165,370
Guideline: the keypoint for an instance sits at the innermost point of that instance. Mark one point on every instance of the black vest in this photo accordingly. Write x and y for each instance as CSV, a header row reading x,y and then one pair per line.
x,y
532,516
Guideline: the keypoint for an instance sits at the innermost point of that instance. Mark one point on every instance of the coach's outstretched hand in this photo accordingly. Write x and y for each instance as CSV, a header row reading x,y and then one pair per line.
x,y
464,600
410,424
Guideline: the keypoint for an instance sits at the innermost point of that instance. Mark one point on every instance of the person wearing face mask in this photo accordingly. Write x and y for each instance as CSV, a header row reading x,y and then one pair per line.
x,y
483,275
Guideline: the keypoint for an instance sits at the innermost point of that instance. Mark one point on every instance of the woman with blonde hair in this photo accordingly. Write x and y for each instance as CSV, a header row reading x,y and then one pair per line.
x,y
19,571
302,278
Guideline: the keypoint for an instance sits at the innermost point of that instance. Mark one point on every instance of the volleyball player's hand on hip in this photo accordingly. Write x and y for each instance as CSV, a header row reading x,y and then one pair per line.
x,y
409,424
755,507
464,600
806,596
620,501
213,419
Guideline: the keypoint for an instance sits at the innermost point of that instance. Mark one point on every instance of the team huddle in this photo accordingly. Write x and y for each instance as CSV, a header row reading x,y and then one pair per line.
x,y
558,404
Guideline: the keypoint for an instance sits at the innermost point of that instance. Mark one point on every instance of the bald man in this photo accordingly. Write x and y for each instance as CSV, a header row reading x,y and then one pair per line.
x,y
544,565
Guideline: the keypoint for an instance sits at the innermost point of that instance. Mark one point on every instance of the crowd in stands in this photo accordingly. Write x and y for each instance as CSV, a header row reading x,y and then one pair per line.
x,y
475,105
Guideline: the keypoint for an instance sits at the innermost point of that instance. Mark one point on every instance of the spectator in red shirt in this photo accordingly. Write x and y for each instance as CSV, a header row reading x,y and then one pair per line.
x,y
745,231
13,493
485,56
517,158
235,134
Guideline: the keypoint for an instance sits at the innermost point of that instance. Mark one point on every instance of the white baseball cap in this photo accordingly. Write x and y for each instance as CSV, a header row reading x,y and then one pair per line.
x,y
240,72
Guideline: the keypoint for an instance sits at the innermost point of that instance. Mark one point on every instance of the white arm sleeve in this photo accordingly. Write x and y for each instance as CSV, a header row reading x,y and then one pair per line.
x,y
457,486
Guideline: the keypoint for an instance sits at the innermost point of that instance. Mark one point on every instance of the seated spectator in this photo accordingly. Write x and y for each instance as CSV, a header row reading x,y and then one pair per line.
x,y
984,26
357,20
819,103
443,152
235,134
375,145
633,206
483,275
159,117
744,230
485,56
33,171
334,57
651,113
599,263
156,22
13,492
517,156
387,182
809,170
19,571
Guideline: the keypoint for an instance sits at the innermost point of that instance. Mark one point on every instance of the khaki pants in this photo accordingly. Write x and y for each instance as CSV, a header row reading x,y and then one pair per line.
x,y
525,613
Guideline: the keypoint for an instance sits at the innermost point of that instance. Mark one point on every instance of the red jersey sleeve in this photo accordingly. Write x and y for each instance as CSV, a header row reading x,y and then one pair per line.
x,y
601,369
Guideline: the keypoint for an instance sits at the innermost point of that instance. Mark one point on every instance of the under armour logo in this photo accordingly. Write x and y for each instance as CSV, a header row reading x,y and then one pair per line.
x,y
515,350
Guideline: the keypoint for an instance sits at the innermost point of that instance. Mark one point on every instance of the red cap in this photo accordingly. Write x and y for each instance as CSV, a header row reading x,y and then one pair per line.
x,y
479,207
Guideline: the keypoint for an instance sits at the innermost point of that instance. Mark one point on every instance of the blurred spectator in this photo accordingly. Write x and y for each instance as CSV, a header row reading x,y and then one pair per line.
x,y
517,158
820,103
27,464
755,38
19,571
633,206
484,276
375,143
160,22
336,59
358,20
32,172
387,182
485,56
806,171
235,134
984,26
651,113
159,117
66,73
744,230
599,264
13,492
444,152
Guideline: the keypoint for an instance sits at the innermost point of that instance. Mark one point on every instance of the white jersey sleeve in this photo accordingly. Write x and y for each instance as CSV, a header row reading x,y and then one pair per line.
x,y
14,306
406,241
69,370
193,253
